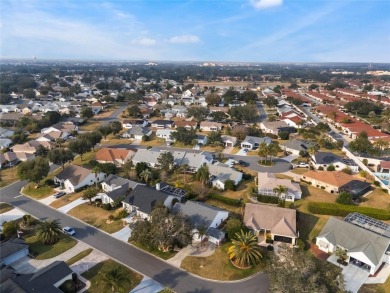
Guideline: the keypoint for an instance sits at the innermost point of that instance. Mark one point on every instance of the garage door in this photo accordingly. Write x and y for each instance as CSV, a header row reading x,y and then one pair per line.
x,y
282,239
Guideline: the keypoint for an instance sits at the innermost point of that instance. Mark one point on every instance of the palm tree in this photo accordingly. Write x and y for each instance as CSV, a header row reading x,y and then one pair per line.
x,y
146,175
381,145
263,151
184,168
49,231
244,250
312,150
280,189
96,170
113,279
203,174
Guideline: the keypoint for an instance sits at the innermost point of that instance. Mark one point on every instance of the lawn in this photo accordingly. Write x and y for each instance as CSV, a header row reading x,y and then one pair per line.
x,y
97,217
90,125
218,266
42,251
156,252
132,279
41,192
309,226
235,150
299,171
79,256
86,158
66,199
8,176
377,199
376,288
5,207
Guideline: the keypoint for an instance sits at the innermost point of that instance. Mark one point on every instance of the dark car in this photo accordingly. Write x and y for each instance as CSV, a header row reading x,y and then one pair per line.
x,y
59,194
243,163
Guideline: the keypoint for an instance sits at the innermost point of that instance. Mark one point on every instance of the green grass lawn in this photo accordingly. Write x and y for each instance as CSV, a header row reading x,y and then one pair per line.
x,y
86,158
42,251
156,252
376,288
8,176
41,192
218,266
5,207
79,256
132,278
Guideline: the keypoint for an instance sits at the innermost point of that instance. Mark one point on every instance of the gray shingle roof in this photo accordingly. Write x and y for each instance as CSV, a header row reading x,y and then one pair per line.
x,y
10,247
326,158
145,198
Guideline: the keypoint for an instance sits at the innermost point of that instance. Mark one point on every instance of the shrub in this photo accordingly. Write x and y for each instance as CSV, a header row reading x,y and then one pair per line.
x,y
225,200
273,136
49,182
106,206
267,199
322,187
270,247
98,200
303,154
292,206
281,203
347,171
111,217
246,176
9,229
339,210
377,183
145,138
284,135
365,162
320,168
229,184
122,214
331,167
344,198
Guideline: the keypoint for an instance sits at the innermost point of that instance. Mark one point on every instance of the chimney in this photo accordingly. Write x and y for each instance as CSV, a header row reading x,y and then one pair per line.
x,y
158,186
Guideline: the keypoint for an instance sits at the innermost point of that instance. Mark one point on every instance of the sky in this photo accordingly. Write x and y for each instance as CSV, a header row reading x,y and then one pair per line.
x,y
197,30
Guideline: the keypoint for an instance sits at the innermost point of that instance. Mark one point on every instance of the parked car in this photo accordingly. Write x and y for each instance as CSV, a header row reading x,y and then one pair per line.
x,y
303,165
68,230
59,194
243,163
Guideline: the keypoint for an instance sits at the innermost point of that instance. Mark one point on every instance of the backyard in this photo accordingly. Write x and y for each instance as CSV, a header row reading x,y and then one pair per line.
x,y
131,278
219,267
97,217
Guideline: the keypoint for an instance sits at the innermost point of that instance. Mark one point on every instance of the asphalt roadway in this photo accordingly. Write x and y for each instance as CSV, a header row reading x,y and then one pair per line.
x,y
162,272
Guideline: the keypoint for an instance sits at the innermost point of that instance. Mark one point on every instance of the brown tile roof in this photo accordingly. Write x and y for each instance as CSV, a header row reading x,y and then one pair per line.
x,y
337,179
111,154
184,123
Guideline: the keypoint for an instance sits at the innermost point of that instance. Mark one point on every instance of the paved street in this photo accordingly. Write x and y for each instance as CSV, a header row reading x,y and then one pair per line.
x,y
177,279
114,115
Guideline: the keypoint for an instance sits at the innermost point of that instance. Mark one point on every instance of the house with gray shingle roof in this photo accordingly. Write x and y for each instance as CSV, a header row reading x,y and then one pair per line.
x,y
137,132
252,142
115,188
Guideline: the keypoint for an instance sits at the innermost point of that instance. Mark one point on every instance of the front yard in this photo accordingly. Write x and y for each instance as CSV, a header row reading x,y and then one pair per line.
x,y
38,192
218,266
66,199
376,288
8,176
131,280
5,207
97,217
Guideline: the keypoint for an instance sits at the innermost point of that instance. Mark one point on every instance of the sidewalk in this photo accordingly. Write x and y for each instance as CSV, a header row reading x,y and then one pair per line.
x,y
147,285
11,215
192,250
65,209
89,261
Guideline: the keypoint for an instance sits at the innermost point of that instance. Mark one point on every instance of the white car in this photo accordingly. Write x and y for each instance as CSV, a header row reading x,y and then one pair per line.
x,y
303,165
68,230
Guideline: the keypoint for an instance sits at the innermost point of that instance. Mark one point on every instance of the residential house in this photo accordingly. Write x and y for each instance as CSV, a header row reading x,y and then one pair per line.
x,y
75,177
6,133
163,124
143,199
279,223
5,143
165,134
253,142
210,126
137,132
115,189
220,174
336,182
8,159
219,109
229,141
275,127
203,216
296,146
61,126
53,136
201,139
114,156
47,279
325,159
365,248
236,103
128,123
12,251
186,124
31,146
384,167
267,182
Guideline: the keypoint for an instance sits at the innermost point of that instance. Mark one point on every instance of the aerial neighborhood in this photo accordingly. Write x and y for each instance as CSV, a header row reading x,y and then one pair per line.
x,y
108,169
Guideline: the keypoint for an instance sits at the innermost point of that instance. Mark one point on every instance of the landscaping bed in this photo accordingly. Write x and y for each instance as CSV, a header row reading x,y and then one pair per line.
x,y
219,267
132,280
79,256
97,217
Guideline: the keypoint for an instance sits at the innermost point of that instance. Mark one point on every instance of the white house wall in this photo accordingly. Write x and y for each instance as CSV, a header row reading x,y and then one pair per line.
x,y
219,218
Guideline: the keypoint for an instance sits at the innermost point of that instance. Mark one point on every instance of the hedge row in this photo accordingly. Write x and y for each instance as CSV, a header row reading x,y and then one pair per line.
x,y
225,200
267,199
334,209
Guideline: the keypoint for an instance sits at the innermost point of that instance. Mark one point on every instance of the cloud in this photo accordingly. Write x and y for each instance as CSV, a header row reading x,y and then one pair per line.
x,y
146,42
184,39
263,4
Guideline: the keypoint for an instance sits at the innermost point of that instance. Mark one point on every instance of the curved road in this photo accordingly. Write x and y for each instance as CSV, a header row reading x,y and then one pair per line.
x,y
167,275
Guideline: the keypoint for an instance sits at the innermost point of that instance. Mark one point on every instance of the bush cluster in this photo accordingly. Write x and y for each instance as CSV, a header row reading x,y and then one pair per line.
x,y
226,200
267,199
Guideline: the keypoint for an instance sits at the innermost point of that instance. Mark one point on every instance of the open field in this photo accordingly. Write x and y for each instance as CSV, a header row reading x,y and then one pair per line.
x,y
97,217
218,266
131,278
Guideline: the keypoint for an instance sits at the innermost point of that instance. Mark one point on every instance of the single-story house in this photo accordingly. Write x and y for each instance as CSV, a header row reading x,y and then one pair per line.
x,y
364,248
130,123
165,134
325,159
137,132
30,147
267,182
74,177
296,146
46,279
229,141
114,156
252,142
5,143
12,250
210,126
143,199
336,182
6,133
8,159
201,139
384,167
186,124
203,216
280,223
115,188
220,174
163,123
275,127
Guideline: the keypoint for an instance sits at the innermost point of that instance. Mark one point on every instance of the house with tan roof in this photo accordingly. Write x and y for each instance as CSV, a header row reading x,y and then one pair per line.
x,y
31,146
280,223
267,182
336,182
210,126
186,124
74,177
114,156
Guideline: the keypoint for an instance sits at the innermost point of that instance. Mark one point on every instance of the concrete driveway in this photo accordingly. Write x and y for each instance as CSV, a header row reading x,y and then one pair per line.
x,y
123,234
354,277
241,153
71,205
11,215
